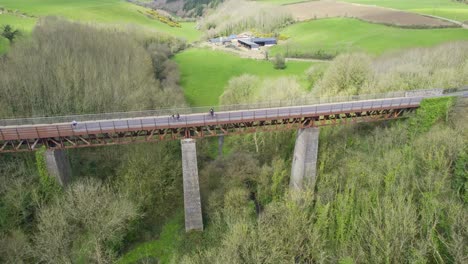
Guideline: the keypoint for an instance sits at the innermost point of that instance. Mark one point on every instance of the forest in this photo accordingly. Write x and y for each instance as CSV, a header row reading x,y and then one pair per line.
x,y
387,192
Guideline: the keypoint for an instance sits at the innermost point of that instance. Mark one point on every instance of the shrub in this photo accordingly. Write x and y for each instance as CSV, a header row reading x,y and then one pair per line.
x,y
153,14
346,75
315,73
250,89
431,111
279,63
240,90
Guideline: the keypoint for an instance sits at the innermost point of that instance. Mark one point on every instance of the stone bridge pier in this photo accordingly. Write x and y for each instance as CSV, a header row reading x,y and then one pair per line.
x,y
192,201
58,165
304,164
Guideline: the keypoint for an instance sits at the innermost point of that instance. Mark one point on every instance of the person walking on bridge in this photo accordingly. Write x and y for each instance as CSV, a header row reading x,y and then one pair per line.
x,y
212,112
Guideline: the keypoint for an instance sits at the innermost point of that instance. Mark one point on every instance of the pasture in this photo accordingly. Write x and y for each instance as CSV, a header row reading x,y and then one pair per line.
x,y
281,2
100,11
205,73
381,15
339,35
3,45
443,8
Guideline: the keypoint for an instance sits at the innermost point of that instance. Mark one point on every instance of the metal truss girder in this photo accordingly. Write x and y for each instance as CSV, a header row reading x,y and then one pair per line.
x,y
154,134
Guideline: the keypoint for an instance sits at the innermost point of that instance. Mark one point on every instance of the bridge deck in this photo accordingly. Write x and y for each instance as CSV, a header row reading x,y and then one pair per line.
x,y
24,132
31,133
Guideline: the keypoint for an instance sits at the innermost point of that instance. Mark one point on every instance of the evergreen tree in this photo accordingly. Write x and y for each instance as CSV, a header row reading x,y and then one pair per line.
x,y
9,33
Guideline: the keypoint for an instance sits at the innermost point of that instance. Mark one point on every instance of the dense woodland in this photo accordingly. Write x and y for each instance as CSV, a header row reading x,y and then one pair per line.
x,y
73,68
390,192
232,17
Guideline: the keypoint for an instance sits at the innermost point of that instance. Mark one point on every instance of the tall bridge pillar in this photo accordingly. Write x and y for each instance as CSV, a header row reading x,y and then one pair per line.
x,y
304,164
58,165
192,201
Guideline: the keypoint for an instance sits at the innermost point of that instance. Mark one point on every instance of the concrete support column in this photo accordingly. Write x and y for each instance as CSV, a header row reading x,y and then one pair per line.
x,y
304,164
58,165
192,202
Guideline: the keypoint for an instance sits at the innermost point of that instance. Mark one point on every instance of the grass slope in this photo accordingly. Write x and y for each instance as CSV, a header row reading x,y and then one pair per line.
x,y
443,8
205,73
339,35
3,45
283,2
101,11
157,251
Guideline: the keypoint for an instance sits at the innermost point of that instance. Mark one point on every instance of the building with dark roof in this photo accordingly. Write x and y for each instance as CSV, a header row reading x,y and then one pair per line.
x,y
249,44
264,41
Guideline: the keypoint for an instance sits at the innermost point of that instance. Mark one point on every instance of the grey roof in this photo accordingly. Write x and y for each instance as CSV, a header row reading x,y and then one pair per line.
x,y
263,39
248,42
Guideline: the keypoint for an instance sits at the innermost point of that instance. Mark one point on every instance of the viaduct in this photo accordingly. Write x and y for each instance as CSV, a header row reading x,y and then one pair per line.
x,y
304,115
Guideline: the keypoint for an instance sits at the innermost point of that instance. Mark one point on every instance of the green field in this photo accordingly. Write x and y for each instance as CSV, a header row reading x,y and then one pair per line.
x,y
443,8
205,73
340,35
101,11
3,45
282,2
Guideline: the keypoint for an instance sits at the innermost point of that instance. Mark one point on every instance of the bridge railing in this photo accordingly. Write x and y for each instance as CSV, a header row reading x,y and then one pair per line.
x,y
192,110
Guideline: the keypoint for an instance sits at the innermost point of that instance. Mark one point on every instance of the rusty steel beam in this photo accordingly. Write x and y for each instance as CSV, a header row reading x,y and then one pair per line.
x,y
152,134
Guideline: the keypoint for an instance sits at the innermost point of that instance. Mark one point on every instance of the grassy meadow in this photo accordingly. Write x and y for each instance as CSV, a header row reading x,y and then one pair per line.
x,y
443,8
281,2
339,35
3,45
100,11
205,73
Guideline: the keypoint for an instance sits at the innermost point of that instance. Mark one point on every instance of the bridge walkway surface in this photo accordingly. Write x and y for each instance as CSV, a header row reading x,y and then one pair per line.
x,y
28,134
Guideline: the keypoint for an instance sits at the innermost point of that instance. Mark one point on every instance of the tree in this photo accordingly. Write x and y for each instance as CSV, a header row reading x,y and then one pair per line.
x,y
240,90
279,63
89,221
9,33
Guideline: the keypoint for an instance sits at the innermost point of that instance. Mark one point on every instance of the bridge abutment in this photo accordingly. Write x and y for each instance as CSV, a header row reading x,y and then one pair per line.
x,y
304,164
192,201
58,165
